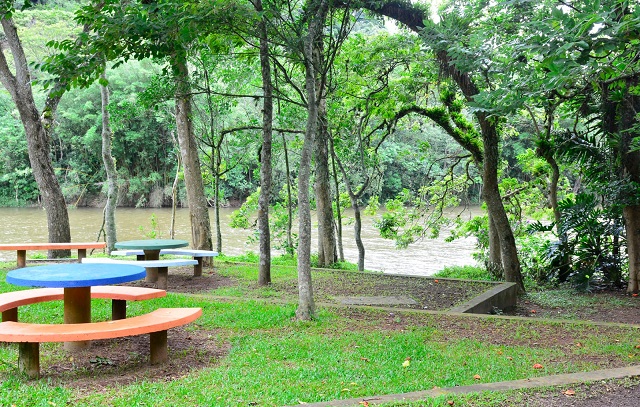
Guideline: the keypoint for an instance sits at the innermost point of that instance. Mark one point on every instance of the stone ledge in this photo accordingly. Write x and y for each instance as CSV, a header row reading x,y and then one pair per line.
x,y
502,297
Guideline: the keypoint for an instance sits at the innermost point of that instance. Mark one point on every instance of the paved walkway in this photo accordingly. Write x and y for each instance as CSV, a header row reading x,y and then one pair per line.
x,y
557,380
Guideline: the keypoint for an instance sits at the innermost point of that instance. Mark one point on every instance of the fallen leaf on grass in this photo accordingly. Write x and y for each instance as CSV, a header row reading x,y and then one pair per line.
x,y
406,363
533,311
476,377
365,403
569,392
537,366
450,402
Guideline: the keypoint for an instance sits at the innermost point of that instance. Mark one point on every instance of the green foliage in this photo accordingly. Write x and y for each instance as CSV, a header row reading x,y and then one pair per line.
x,y
465,272
152,233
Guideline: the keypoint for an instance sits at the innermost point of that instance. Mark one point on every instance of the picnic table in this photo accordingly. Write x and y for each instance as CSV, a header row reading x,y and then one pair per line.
x,y
151,249
76,279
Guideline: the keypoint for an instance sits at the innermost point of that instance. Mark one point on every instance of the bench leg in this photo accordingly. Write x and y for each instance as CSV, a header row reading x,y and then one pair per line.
x,y
10,315
22,258
29,359
118,309
163,274
82,253
158,347
197,268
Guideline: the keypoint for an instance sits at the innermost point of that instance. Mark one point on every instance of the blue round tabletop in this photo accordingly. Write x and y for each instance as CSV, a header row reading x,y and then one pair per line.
x,y
75,275
152,244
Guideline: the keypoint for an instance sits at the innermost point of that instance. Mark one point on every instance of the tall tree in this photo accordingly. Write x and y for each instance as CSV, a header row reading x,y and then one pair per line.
x,y
110,169
38,127
416,18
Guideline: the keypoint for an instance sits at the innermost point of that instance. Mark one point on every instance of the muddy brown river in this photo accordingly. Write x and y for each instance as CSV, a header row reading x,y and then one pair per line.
x,y
21,225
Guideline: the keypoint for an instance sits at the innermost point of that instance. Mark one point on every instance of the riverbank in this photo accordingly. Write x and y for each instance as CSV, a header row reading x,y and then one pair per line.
x,y
426,257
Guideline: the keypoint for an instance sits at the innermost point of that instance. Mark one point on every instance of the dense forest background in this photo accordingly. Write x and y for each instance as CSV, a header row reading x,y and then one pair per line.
x,y
529,111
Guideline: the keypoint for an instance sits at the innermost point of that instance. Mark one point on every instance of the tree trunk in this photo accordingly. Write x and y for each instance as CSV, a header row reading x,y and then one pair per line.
x,y
37,130
289,198
495,257
174,195
497,213
198,209
632,227
110,170
264,269
324,210
306,305
338,207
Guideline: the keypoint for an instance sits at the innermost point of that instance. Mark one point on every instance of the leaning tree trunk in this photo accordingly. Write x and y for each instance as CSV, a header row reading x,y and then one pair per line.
x,y
110,169
495,257
264,268
37,130
198,208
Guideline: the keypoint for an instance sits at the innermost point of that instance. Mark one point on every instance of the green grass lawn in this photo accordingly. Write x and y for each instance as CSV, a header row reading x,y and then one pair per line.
x,y
274,360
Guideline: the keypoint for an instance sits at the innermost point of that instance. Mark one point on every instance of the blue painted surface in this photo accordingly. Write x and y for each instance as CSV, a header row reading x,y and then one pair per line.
x,y
152,244
75,275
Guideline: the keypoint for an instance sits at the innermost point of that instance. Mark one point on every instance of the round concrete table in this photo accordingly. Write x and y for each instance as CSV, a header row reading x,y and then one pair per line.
x,y
151,249
76,279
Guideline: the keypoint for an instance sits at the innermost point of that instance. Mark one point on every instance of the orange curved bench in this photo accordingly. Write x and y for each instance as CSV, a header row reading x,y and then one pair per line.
x,y
118,294
21,249
155,323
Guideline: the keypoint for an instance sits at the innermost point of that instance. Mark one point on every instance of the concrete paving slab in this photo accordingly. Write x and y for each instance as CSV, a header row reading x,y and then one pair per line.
x,y
380,300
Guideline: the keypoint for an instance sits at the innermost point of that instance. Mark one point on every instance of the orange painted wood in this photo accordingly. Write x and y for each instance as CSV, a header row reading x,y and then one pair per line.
x,y
158,320
53,246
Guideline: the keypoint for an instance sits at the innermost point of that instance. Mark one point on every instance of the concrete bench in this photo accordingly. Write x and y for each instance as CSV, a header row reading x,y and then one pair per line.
x,y
119,295
155,268
198,255
21,249
156,323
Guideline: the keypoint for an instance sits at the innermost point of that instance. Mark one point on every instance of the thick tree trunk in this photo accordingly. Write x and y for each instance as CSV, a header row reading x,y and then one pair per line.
x,y
497,213
198,209
632,227
264,269
110,170
495,257
37,130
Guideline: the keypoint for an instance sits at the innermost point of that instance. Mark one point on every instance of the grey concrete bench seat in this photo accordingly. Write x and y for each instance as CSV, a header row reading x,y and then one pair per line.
x,y
157,270
197,255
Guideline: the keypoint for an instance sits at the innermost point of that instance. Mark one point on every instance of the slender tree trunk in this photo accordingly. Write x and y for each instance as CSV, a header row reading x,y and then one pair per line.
x,y
198,209
264,269
306,305
37,129
324,210
289,197
110,169
338,206
174,195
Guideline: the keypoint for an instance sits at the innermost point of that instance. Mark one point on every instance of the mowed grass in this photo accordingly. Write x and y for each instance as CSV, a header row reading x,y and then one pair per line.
x,y
275,360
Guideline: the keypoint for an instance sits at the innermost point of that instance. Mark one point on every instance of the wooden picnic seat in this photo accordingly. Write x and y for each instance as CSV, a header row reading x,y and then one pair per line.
x,y
197,255
162,266
155,323
21,249
118,294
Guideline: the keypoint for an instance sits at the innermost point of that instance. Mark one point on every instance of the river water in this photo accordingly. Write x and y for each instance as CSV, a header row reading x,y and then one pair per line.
x,y
22,225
